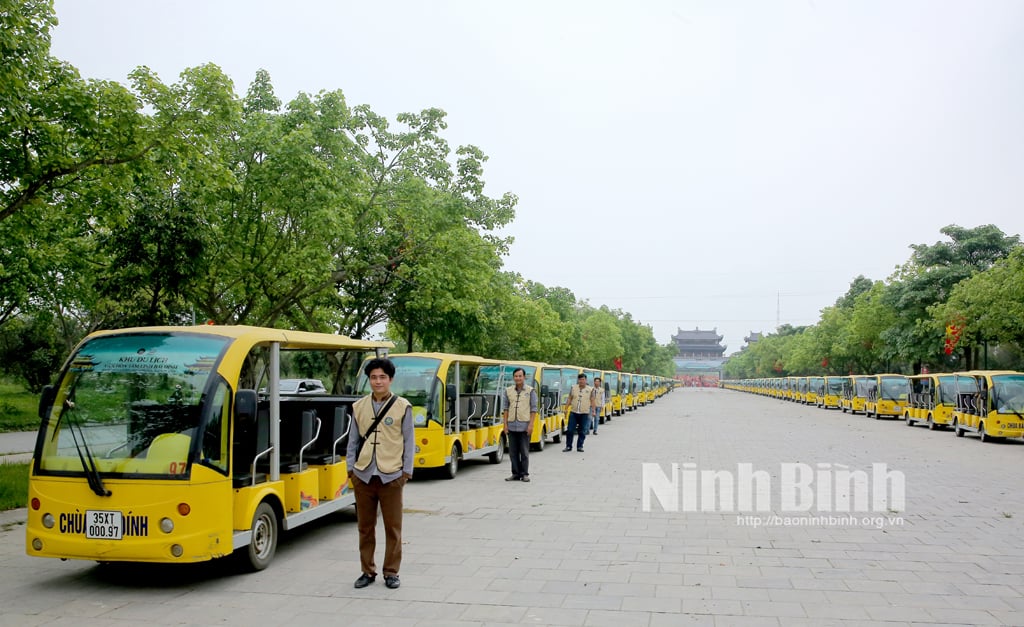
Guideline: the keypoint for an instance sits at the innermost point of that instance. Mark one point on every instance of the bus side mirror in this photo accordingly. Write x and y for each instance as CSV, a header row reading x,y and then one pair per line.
x,y
449,392
246,402
46,401
544,390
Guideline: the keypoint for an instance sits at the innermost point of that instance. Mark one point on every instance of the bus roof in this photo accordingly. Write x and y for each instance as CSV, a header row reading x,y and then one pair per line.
x,y
253,334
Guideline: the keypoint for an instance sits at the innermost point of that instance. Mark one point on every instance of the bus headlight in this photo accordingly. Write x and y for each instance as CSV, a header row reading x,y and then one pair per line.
x,y
48,521
167,526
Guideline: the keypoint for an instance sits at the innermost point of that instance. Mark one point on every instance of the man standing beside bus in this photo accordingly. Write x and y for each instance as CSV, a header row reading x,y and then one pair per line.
x,y
597,403
380,458
578,406
519,408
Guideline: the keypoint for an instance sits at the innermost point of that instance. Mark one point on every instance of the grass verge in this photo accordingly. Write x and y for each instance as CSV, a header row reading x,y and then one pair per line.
x,y
18,408
13,486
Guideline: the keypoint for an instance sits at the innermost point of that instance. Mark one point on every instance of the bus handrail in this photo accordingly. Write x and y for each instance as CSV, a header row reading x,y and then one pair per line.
x,y
314,439
257,459
348,427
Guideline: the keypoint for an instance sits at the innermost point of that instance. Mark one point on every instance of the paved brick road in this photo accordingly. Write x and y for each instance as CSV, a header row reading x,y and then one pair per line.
x,y
575,548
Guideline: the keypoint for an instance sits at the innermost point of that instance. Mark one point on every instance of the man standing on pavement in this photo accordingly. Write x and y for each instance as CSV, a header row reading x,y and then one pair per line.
x,y
380,456
578,406
597,403
518,409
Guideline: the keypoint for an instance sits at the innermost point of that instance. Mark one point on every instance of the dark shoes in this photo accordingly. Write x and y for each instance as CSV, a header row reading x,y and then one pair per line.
x,y
512,478
525,479
392,581
579,450
365,580
567,449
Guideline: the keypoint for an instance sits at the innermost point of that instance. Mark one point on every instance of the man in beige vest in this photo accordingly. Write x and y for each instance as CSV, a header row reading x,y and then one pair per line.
x,y
578,405
380,457
519,406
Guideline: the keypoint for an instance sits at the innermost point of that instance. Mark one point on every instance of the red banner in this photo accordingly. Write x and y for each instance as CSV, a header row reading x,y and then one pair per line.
x,y
954,331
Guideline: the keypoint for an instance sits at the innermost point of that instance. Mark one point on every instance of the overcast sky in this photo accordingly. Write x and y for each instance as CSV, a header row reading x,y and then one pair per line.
x,y
712,164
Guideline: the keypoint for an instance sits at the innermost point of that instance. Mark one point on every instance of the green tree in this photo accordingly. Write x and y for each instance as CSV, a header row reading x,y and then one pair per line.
x,y
602,340
928,278
990,303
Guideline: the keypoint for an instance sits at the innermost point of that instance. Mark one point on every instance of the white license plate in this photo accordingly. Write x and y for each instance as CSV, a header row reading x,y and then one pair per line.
x,y
103,524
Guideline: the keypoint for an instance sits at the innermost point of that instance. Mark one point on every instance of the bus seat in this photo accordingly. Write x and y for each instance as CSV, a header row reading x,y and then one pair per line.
x,y
169,447
251,448
331,440
291,460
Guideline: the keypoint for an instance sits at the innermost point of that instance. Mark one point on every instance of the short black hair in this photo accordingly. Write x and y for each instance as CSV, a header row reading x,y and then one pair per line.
x,y
519,370
596,379
383,363
581,376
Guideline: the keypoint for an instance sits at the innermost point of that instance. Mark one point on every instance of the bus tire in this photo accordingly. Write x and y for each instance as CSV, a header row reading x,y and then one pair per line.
x,y
452,467
263,543
498,455
557,437
983,436
957,429
910,421
931,423
539,446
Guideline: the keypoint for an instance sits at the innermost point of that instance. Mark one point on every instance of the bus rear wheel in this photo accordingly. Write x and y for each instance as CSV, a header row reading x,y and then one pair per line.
x,y
539,446
498,455
910,421
957,429
263,543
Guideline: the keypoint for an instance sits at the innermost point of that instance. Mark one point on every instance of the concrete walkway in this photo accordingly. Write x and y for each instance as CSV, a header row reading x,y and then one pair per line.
x,y
575,546
17,447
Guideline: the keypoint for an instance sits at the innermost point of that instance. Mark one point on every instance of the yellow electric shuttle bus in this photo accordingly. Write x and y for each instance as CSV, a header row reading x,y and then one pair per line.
x,y
888,396
456,406
856,396
177,444
832,392
554,389
614,392
628,395
991,406
637,385
815,391
648,388
932,400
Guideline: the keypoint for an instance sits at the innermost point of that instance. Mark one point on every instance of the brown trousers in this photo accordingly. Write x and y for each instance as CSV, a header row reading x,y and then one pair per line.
x,y
387,496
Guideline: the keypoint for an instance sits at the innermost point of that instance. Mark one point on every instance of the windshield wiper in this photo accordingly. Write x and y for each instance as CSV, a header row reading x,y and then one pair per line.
x,y
92,474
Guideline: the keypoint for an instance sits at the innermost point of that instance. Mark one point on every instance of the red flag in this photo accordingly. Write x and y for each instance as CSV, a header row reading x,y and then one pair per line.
x,y
618,363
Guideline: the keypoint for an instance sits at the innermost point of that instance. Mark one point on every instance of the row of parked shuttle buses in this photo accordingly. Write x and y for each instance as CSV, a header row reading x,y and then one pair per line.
x,y
984,402
456,402
183,444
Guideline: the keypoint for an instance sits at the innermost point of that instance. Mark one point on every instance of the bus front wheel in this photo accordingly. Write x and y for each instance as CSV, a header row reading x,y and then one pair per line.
x,y
452,467
263,543
957,429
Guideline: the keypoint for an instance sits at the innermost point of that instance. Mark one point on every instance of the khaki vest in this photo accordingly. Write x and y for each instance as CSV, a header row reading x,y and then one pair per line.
x,y
386,442
519,404
579,400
